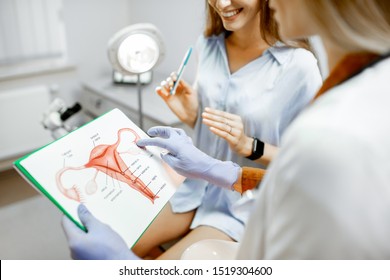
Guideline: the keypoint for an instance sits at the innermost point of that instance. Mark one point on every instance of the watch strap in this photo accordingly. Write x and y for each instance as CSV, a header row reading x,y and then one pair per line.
x,y
257,149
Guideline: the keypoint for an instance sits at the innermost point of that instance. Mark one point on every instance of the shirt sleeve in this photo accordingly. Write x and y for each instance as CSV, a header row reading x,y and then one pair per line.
x,y
303,78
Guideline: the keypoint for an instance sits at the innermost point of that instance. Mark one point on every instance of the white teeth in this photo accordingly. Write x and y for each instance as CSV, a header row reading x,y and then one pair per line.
x,y
231,13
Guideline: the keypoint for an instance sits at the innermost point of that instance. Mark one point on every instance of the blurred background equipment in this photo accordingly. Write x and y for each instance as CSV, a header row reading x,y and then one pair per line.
x,y
133,53
61,120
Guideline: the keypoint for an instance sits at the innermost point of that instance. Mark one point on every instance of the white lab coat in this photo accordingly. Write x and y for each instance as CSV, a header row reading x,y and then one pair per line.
x,y
327,194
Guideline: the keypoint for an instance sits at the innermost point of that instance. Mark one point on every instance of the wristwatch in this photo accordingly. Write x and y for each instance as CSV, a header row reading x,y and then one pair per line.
x,y
257,149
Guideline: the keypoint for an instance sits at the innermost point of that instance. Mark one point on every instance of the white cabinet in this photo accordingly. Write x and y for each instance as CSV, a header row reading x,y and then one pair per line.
x,y
20,122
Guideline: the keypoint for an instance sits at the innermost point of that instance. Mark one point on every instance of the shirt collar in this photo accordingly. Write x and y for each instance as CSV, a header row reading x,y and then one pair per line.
x,y
280,52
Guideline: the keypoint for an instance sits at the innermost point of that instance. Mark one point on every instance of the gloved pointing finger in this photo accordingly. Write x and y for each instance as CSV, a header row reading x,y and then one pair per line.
x,y
160,131
165,131
159,142
189,161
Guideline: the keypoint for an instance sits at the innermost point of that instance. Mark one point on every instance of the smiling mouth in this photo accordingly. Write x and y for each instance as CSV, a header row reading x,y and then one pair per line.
x,y
230,14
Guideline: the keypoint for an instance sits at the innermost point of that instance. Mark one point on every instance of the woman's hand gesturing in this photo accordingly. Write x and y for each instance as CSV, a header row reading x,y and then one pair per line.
x,y
184,103
231,128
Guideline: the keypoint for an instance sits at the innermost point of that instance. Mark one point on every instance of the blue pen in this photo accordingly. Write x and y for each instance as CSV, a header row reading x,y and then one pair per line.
x,y
181,70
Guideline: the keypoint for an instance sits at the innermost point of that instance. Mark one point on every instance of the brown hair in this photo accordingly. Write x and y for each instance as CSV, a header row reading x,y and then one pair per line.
x,y
268,26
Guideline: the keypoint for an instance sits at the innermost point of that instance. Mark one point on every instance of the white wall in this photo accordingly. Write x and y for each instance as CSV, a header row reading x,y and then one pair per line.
x,y
180,22
91,23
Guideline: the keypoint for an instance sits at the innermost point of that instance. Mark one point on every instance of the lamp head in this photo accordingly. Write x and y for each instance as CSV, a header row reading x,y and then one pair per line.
x,y
136,49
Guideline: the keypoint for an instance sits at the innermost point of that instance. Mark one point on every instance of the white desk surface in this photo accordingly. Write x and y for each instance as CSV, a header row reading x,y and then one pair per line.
x,y
127,96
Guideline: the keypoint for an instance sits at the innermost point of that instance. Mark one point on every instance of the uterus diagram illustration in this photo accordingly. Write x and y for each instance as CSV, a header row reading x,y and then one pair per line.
x,y
107,159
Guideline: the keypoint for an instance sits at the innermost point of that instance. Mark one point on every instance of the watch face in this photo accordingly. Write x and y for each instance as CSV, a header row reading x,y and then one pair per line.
x,y
254,147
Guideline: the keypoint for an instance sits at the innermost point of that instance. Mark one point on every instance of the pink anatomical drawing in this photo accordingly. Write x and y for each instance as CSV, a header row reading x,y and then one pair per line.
x,y
105,158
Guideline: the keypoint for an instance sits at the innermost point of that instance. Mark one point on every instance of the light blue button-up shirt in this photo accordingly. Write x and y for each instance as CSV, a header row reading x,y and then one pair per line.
x,y
267,93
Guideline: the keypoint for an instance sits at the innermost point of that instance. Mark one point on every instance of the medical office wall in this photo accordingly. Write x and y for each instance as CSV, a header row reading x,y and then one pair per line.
x,y
32,33
59,44
72,32
52,45
180,21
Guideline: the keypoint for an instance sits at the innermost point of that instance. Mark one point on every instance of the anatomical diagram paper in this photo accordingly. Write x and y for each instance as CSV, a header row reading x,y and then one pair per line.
x,y
101,166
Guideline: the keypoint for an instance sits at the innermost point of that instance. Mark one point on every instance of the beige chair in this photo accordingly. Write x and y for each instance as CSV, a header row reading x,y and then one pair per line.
x,y
215,249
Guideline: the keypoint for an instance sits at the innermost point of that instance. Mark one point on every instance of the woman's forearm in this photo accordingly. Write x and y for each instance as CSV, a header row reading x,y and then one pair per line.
x,y
270,152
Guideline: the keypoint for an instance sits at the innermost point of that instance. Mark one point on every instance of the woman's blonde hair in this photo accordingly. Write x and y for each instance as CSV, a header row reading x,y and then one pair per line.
x,y
268,27
358,25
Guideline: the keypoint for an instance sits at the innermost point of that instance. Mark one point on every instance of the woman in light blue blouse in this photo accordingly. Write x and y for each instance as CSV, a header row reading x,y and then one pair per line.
x,y
250,85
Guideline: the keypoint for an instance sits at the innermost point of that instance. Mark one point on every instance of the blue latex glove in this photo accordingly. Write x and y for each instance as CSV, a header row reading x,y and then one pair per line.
x,y
99,243
189,161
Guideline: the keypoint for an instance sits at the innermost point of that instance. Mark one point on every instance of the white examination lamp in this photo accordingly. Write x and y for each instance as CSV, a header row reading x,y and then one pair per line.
x,y
136,50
